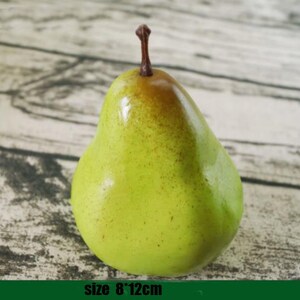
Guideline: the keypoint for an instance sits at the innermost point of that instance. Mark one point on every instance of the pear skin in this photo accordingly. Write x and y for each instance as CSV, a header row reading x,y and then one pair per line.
x,y
155,193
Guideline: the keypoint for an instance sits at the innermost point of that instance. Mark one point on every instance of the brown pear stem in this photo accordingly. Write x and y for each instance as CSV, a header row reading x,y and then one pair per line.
x,y
143,32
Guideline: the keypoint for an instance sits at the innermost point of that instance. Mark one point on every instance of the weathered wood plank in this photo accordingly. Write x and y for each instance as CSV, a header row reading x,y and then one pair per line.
x,y
38,237
238,59
242,47
68,99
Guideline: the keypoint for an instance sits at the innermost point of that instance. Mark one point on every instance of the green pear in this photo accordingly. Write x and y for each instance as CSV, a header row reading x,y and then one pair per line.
x,y
155,192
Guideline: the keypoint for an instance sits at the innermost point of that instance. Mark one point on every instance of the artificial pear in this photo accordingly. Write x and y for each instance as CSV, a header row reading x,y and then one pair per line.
x,y
155,192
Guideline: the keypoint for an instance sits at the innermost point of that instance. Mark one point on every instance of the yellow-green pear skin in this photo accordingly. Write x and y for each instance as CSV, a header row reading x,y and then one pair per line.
x,y
155,193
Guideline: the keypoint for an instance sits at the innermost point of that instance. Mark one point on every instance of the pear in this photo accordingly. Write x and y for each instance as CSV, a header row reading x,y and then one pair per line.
x,y
155,192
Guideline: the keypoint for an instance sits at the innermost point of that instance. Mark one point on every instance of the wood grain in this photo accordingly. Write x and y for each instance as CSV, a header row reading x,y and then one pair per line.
x,y
239,60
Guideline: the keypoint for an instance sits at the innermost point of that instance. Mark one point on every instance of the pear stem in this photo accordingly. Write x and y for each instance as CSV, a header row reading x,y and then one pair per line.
x,y
143,32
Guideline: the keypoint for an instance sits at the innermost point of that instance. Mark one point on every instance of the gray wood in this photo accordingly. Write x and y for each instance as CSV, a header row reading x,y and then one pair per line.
x,y
239,60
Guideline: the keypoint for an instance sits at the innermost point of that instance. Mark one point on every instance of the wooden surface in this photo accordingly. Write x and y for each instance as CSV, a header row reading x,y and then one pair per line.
x,y
239,60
